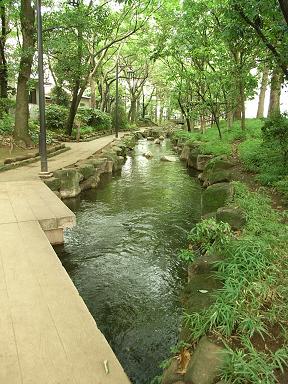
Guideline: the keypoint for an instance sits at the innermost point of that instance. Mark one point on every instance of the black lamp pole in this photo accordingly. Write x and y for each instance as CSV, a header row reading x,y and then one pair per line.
x,y
117,101
42,134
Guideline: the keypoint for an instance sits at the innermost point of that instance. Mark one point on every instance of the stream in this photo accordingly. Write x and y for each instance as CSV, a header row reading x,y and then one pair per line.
x,y
122,255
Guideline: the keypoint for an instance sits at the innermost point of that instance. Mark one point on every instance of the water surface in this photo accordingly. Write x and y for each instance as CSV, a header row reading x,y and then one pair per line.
x,y
122,256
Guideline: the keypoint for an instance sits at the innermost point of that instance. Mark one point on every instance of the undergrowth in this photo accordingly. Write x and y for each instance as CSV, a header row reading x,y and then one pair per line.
x,y
253,272
262,147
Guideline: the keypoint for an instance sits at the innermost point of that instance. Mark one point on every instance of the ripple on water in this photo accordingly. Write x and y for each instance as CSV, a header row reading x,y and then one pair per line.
x,y
122,256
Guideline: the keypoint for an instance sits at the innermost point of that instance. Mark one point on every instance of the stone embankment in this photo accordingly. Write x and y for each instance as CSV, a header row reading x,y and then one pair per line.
x,y
204,364
85,174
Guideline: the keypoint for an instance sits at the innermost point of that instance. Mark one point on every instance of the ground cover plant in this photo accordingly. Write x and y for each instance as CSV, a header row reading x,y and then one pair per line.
x,y
250,311
262,147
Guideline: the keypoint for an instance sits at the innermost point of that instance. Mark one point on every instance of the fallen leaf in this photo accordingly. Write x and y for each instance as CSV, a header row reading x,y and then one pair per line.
x,y
183,361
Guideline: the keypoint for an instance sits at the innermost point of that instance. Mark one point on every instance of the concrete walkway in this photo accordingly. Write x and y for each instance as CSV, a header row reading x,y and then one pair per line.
x,y
47,335
79,151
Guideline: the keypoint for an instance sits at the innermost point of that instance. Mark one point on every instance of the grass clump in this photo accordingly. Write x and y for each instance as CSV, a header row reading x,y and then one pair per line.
x,y
252,301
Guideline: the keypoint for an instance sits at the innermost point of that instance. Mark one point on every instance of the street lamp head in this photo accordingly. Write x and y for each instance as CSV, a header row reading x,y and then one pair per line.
x,y
74,3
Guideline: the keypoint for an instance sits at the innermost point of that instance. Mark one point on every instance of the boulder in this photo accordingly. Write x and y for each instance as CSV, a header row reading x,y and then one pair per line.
x,y
217,170
170,159
203,264
148,155
99,163
193,154
206,363
185,153
70,179
53,183
90,183
150,138
161,138
87,170
216,196
138,135
170,375
157,141
202,161
234,216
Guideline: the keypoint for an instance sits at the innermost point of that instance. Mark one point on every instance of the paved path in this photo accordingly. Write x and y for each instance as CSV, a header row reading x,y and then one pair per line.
x,y
79,151
47,335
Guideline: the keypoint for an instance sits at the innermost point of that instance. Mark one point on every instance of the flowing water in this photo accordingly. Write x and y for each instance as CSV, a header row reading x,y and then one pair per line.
x,y
122,256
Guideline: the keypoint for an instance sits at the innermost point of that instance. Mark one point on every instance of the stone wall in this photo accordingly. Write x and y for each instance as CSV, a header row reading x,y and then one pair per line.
x,y
215,173
70,181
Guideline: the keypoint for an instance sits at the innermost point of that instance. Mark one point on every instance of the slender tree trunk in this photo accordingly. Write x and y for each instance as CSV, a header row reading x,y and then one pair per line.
x,y
27,17
229,119
264,82
132,111
93,93
243,111
76,96
202,123
72,110
3,61
276,82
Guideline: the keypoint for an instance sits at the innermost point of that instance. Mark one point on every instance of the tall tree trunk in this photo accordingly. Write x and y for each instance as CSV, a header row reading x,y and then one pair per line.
x,y
275,92
243,111
284,8
3,61
202,123
93,93
264,82
132,111
27,18
229,119
76,95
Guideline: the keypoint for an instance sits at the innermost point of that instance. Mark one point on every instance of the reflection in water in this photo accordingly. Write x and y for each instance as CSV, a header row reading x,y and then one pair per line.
x,y
122,256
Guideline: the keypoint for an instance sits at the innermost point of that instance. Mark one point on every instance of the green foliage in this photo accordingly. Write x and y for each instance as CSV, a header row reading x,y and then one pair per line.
x,y
123,124
6,104
6,123
253,273
187,255
251,154
56,116
34,133
59,96
208,235
252,366
95,118
275,130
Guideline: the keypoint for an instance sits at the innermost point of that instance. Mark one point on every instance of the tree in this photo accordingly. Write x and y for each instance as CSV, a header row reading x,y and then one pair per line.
x,y
86,35
27,18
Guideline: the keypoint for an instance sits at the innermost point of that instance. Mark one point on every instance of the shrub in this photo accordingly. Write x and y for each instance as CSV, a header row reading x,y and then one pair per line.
x,y
6,123
95,118
56,116
123,124
250,152
275,130
59,96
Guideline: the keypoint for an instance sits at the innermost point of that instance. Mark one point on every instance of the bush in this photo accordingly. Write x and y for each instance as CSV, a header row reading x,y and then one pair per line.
x,y
34,132
59,96
251,153
56,116
123,124
95,118
275,130
6,123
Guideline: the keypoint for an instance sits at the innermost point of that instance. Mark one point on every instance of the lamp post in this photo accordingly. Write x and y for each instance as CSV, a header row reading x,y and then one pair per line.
x,y
42,134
